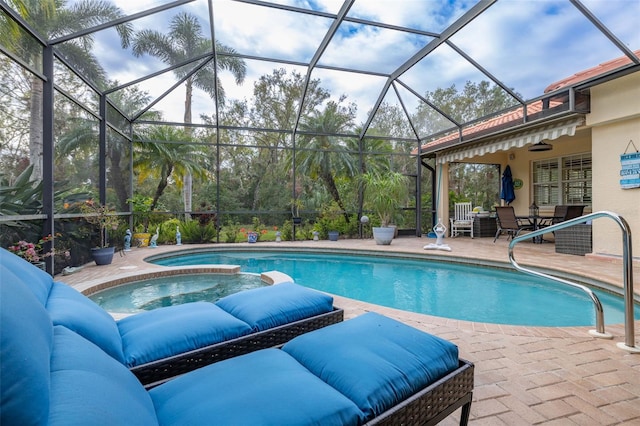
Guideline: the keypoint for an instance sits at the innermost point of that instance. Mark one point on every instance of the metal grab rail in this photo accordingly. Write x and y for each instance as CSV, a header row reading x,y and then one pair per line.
x,y
627,264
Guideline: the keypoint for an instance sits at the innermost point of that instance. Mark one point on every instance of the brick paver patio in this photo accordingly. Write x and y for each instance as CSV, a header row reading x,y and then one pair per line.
x,y
524,375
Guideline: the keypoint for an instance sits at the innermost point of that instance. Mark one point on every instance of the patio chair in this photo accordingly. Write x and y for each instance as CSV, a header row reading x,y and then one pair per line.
x,y
369,369
165,342
462,221
561,213
509,223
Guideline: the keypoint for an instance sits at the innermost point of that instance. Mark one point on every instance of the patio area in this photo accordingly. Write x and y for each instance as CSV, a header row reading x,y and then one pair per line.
x,y
524,375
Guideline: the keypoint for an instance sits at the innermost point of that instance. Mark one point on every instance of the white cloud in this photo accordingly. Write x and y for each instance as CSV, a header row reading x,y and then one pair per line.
x,y
527,44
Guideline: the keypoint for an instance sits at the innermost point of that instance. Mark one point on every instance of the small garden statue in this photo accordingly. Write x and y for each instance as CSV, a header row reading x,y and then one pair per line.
x,y
315,236
127,240
278,236
440,230
178,236
154,239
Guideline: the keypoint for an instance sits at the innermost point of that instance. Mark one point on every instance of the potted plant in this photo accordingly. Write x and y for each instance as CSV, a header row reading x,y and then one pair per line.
x,y
105,219
296,205
383,194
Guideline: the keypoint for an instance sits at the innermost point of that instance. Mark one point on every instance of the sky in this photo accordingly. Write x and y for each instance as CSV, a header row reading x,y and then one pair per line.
x,y
527,44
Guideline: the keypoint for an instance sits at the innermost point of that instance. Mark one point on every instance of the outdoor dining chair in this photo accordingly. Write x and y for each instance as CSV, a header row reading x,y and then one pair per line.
x,y
509,223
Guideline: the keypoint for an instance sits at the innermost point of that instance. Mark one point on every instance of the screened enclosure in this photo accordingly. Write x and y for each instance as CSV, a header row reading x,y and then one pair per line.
x,y
218,117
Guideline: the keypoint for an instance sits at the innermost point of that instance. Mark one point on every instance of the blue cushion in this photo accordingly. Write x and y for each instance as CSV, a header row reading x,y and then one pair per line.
x,y
375,361
37,280
88,387
26,336
268,307
72,309
164,332
266,387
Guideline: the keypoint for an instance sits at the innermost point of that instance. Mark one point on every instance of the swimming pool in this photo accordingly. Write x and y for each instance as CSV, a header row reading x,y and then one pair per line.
x,y
151,293
472,293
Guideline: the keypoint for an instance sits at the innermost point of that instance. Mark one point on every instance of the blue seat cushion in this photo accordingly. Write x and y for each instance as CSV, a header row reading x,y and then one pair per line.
x,y
163,332
265,387
268,307
26,339
37,280
88,387
373,360
72,309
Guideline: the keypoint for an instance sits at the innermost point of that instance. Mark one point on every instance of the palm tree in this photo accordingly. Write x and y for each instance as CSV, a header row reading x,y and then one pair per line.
x,y
167,161
52,18
183,42
83,134
322,156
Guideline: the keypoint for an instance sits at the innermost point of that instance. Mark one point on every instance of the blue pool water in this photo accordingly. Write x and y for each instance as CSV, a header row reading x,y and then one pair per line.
x,y
456,291
154,293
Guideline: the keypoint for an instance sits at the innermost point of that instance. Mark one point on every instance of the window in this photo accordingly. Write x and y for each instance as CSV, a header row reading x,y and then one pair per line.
x,y
565,180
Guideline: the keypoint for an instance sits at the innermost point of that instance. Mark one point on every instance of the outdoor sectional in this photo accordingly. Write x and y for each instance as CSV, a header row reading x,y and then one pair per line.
x,y
367,370
159,344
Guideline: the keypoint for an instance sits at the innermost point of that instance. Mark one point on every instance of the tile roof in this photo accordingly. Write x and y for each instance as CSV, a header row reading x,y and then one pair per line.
x,y
517,115
591,72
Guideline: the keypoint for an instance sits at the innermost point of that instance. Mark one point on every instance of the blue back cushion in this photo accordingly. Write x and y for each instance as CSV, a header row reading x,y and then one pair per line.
x,y
37,280
72,309
173,330
26,336
272,306
88,387
266,387
375,361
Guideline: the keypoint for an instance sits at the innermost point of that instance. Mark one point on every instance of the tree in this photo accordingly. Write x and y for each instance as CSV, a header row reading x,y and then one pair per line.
x,y
167,156
183,42
80,139
322,155
276,104
474,101
52,18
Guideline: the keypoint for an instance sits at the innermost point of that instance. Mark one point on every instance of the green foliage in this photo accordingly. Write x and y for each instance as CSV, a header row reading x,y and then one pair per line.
x,y
141,212
332,218
195,233
230,232
287,231
168,231
385,193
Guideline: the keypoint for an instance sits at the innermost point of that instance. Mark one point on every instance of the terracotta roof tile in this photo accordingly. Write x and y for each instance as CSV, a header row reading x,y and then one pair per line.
x,y
591,72
534,107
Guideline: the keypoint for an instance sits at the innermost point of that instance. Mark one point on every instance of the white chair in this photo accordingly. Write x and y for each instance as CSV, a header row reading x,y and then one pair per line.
x,y
462,221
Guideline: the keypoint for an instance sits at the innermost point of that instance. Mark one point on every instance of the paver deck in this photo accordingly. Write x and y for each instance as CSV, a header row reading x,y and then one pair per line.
x,y
524,375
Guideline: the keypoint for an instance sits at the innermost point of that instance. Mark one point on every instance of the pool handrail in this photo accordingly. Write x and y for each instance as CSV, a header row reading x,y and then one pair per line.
x,y
627,257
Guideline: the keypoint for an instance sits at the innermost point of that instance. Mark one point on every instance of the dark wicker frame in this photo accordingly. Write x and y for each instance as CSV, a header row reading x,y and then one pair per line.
x,y
434,403
154,373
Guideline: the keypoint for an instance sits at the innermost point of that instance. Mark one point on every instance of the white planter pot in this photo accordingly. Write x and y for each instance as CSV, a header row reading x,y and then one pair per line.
x,y
383,235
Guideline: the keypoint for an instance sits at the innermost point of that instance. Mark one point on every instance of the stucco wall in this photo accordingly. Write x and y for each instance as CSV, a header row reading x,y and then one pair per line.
x,y
615,119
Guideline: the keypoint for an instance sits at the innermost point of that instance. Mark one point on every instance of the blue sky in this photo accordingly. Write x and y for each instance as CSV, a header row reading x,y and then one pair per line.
x,y
528,44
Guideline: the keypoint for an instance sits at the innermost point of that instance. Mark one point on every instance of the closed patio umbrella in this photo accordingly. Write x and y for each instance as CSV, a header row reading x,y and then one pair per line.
x,y
507,192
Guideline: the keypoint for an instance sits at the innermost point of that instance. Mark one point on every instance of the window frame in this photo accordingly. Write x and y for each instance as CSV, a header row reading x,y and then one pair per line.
x,y
562,179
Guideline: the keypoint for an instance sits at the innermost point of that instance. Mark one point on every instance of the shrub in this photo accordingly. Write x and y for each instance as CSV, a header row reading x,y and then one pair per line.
x,y
193,232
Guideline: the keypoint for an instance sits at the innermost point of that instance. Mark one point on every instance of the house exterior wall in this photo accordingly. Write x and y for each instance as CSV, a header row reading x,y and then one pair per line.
x,y
615,120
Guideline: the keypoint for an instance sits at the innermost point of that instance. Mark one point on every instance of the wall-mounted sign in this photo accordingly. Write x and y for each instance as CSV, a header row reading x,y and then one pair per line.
x,y
630,168
517,183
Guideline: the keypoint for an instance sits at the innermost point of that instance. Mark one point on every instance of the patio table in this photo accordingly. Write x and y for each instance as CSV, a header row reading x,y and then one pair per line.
x,y
537,221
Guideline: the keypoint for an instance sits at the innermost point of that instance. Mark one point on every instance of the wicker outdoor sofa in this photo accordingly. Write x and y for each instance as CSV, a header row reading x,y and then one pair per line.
x,y
160,344
367,370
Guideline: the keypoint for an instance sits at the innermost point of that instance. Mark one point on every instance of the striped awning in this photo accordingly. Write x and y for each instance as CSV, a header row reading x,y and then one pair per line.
x,y
518,140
